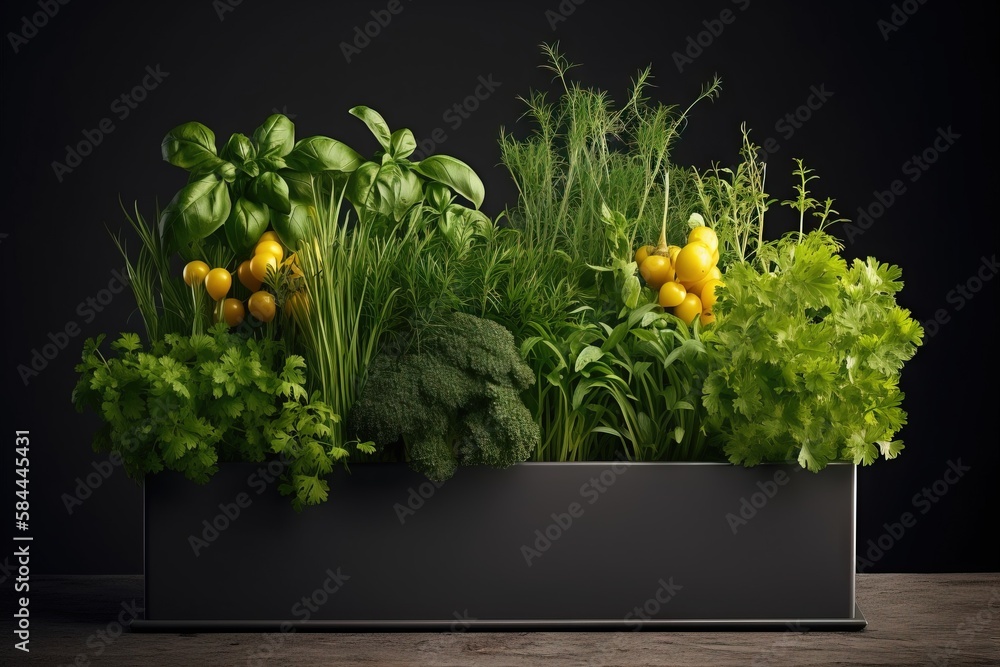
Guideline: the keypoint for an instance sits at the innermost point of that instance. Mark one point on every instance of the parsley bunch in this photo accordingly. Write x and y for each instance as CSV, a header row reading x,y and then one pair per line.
x,y
807,355
190,402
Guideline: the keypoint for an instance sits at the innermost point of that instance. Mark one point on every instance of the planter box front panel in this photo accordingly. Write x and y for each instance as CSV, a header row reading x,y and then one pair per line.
x,y
541,542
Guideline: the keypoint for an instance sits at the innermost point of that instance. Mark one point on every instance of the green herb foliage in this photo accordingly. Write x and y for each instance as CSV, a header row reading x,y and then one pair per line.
x,y
190,402
807,357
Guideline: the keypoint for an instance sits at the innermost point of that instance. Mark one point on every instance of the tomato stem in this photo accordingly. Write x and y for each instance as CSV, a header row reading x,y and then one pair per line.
x,y
661,247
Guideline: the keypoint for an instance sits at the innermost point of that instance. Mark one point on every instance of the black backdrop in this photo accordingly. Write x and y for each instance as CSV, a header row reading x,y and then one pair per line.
x,y
894,78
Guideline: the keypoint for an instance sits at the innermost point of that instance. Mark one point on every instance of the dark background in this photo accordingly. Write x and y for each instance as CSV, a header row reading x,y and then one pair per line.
x,y
230,69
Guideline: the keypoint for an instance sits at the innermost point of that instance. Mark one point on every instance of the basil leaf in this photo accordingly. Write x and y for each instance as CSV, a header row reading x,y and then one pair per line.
x,y
295,227
455,174
271,189
276,137
362,189
189,146
375,123
322,154
402,143
245,224
197,210
408,192
239,149
438,196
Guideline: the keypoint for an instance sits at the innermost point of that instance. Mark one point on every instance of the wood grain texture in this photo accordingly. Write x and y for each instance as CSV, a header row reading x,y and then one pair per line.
x,y
913,619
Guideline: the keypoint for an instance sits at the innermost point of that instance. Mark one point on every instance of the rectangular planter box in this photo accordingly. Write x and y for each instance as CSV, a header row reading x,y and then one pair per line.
x,y
622,546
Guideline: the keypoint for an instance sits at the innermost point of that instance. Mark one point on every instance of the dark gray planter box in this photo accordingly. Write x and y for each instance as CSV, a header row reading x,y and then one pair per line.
x,y
539,545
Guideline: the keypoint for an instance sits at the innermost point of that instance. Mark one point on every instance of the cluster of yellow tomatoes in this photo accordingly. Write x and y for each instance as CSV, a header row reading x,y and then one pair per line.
x,y
685,278
252,273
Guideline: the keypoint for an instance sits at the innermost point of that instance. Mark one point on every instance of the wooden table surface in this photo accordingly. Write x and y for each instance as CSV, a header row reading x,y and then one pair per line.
x,y
913,619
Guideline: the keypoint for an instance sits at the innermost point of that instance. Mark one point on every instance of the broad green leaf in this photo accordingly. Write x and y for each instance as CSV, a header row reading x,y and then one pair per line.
x,y
269,188
197,210
630,292
247,221
295,227
438,196
588,355
300,185
455,174
402,143
410,191
225,170
190,146
366,192
275,137
272,163
239,149
322,154
376,124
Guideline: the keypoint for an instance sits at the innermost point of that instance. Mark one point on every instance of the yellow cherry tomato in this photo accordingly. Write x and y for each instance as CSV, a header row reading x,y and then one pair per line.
x,y
689,308
693,262
247,277
195,272
269,236
259,264
270,247
715,257
699,286
672,251
656,270
708,297
218,282
643,252
707,318
261,306
233,312
704,235
671,294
